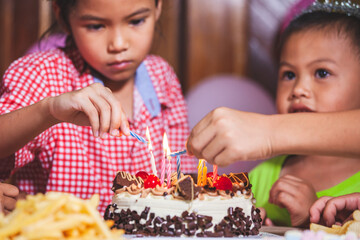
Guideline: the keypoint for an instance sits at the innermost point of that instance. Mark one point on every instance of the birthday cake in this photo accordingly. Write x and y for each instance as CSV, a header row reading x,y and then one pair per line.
x,y
224,207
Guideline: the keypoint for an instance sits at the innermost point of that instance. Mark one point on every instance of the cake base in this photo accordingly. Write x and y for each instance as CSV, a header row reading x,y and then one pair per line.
x,y
188,224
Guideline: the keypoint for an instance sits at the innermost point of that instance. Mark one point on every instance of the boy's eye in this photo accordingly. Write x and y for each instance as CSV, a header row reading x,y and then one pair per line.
x,y
137,21
94,26
321,73
288,75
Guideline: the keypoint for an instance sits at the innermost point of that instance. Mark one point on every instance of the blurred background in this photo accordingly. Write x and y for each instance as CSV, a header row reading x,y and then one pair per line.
x,y
200,38
221,50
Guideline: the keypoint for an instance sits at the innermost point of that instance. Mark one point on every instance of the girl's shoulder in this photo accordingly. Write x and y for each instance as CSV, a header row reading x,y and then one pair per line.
x,y
156,63
59,60
42,59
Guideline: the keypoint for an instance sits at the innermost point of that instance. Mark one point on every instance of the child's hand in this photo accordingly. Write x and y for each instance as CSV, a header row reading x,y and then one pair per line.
x,y
296,195
225,136
8,197
265,221
331,210
94,105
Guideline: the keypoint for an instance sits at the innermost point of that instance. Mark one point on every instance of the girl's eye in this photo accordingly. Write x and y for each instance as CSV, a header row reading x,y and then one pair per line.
x,y
288,75
94,26
136,22
321,73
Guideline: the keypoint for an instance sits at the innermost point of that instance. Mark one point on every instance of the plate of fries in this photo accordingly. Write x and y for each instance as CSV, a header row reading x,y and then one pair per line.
x,y
349,226
56,215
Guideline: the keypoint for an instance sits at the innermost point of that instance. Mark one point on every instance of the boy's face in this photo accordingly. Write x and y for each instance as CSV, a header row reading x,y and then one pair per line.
x,y
114,36
319,72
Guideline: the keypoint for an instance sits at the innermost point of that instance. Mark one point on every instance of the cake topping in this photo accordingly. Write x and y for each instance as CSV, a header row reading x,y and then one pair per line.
x,y
223,183
151,181
240,179
187,188
125,179
142,174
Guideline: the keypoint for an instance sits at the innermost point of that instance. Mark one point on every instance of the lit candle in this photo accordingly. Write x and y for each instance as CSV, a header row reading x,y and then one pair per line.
x,y
178,166
169,167
200,172
204,177
165,145
152,159
215,170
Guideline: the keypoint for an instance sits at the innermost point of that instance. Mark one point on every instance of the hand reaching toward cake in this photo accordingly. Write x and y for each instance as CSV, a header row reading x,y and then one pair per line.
x,y
331,210
94,105
296,195
225,136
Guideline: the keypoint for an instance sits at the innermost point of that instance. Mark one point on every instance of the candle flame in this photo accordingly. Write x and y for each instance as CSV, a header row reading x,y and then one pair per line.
x,y
166,147
148,138
165,143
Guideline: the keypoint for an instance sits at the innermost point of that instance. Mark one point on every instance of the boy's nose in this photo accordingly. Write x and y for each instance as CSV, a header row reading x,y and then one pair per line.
x,y
117,43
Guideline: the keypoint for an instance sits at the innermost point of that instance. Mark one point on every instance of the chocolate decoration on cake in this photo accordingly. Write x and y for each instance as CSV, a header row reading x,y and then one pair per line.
x,y
187,188
125,179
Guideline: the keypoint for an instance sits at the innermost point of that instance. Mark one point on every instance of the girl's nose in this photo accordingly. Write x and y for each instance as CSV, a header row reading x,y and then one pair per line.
x,y
301,89
117,43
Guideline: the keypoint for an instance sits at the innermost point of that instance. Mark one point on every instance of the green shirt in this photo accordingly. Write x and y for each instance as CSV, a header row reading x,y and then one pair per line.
x,y
263,176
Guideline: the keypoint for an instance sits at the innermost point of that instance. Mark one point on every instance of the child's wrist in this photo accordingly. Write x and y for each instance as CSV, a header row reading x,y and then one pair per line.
x,y
47,113
275,133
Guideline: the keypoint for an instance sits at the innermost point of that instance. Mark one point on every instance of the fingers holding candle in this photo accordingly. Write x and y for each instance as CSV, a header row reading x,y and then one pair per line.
x,y
226,135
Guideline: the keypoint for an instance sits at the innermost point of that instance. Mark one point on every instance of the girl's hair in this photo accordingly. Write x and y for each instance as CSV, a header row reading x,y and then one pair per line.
x,y
335,23
65,7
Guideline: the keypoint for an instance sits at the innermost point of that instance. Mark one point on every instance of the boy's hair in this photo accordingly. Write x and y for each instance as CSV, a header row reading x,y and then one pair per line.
x,y
340,23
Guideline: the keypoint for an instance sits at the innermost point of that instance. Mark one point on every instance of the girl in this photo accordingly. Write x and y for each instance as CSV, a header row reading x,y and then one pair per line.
x,y
103,79
318,72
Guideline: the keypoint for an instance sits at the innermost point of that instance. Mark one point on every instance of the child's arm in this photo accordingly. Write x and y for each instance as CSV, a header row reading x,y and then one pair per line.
x,y
8,196
93,106
328,209
225,135
296,195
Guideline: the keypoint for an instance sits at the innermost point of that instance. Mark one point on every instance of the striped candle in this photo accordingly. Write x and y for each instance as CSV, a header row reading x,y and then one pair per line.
x,y
139,138
178,166
215,174
166,151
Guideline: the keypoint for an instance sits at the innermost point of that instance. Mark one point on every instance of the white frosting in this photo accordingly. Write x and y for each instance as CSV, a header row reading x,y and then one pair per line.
x,y
216,207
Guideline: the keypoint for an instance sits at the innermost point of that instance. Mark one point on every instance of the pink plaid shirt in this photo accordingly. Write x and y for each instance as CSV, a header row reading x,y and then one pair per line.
x,y
67,157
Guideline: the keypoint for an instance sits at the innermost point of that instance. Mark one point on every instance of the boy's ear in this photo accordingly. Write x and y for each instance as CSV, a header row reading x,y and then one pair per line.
x,y
158,9
58,17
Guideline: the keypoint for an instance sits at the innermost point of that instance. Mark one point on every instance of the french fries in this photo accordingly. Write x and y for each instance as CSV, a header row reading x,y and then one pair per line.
x,y
56,216
349,226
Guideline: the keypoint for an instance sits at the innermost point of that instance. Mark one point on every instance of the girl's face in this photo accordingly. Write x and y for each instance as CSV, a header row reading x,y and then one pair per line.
x,y
114,36
319,72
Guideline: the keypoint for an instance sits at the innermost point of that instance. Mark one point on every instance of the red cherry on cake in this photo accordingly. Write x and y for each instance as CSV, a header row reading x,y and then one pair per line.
x,y
151,181
209,174
223,183
142,174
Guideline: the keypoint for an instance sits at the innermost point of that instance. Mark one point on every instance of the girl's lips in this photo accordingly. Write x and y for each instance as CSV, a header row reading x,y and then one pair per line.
x,y
120,65
299,108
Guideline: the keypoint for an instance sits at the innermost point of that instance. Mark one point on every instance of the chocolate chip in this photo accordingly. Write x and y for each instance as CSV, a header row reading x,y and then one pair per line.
x,y
191,225
208,225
